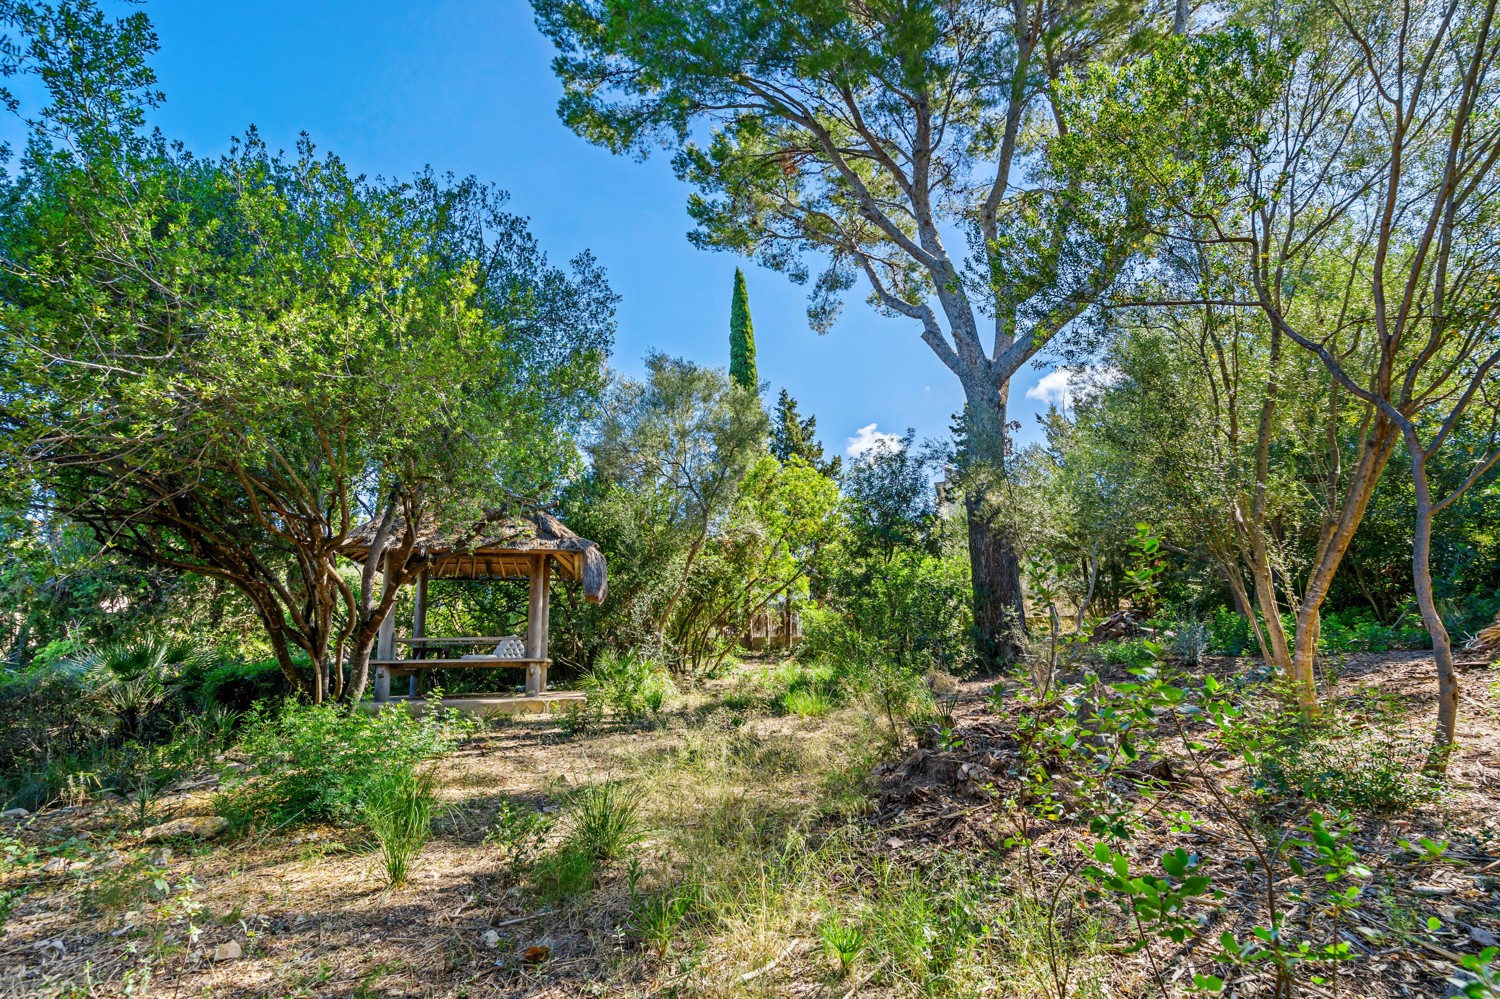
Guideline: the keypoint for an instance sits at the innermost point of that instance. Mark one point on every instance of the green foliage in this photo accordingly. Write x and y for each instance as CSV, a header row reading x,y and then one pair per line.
x,y
605,823
655,917
134,680
236,684
1483,978
1132,653
563,874
742,338
843,941
663,499
398,807
806,702
634,686
1356,630
1341,761
195,348
1229,633
1190,641
321,762
793,436
518,833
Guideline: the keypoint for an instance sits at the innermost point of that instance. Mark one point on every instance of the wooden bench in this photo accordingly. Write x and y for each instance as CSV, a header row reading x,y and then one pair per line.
x,y
511,651
406,666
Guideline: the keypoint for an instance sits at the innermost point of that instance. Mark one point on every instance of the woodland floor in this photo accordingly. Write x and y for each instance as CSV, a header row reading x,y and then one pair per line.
x,y
721,784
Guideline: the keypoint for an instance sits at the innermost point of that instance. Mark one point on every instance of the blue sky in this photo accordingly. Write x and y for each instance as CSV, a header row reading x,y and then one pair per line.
x,y
466,86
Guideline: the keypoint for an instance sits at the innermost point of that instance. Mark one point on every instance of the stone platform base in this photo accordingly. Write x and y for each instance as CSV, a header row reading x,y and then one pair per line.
x,y
486,705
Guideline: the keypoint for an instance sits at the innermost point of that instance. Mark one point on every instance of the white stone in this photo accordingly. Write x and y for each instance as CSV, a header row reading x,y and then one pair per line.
x,y
228,951
491,939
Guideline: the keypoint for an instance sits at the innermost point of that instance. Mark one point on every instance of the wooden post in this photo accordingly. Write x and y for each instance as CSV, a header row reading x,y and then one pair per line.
x,y
536,626
546,614
418,630
385,643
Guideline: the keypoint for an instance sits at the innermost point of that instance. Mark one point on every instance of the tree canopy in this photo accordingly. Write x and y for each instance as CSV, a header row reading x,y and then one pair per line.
x,y
221,366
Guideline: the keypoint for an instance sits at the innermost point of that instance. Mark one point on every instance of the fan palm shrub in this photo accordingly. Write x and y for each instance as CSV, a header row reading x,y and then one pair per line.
x,y
133,680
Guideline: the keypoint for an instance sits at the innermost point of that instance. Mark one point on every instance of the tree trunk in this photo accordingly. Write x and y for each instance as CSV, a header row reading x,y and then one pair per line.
x,y
1338,532
1278,655
1442,644
999,604
995,566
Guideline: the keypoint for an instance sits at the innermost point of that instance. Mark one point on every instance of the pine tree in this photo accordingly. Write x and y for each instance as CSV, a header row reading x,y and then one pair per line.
x,y
792,435
741,337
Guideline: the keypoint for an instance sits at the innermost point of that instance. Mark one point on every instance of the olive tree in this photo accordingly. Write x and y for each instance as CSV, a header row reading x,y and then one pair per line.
x,y
1366,238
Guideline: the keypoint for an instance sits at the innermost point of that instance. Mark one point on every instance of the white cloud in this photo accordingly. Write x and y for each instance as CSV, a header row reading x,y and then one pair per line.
x,y
867,439
1063,387
1052,388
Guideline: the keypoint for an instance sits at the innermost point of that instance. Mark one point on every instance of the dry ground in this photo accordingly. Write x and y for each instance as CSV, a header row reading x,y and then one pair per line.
x,y
722,786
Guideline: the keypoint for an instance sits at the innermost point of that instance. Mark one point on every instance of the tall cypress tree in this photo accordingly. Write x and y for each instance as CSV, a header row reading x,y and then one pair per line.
x,y
741,337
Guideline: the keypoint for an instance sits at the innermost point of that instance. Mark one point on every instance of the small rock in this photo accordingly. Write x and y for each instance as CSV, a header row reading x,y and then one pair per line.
x,y
1483,937
490,939
192,827
55,865
15,814
229,951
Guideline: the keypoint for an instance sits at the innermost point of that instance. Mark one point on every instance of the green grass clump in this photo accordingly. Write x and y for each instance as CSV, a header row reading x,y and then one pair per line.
x,y
606,823
806,703
843,941
399,811
654,918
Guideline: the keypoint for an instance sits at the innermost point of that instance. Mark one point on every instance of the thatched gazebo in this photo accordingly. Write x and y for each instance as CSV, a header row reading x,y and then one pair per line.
x,y
531,546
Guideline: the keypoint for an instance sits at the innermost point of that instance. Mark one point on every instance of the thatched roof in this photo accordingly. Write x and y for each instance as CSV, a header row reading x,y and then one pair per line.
x,y
498,546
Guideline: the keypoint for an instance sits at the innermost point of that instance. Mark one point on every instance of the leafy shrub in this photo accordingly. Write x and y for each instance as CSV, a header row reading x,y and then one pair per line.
x,y
1229,633
1128,653
398,811
1374,769
311,762
1356,630
912,610
518,833
49,729
632,685
56,652
237,685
